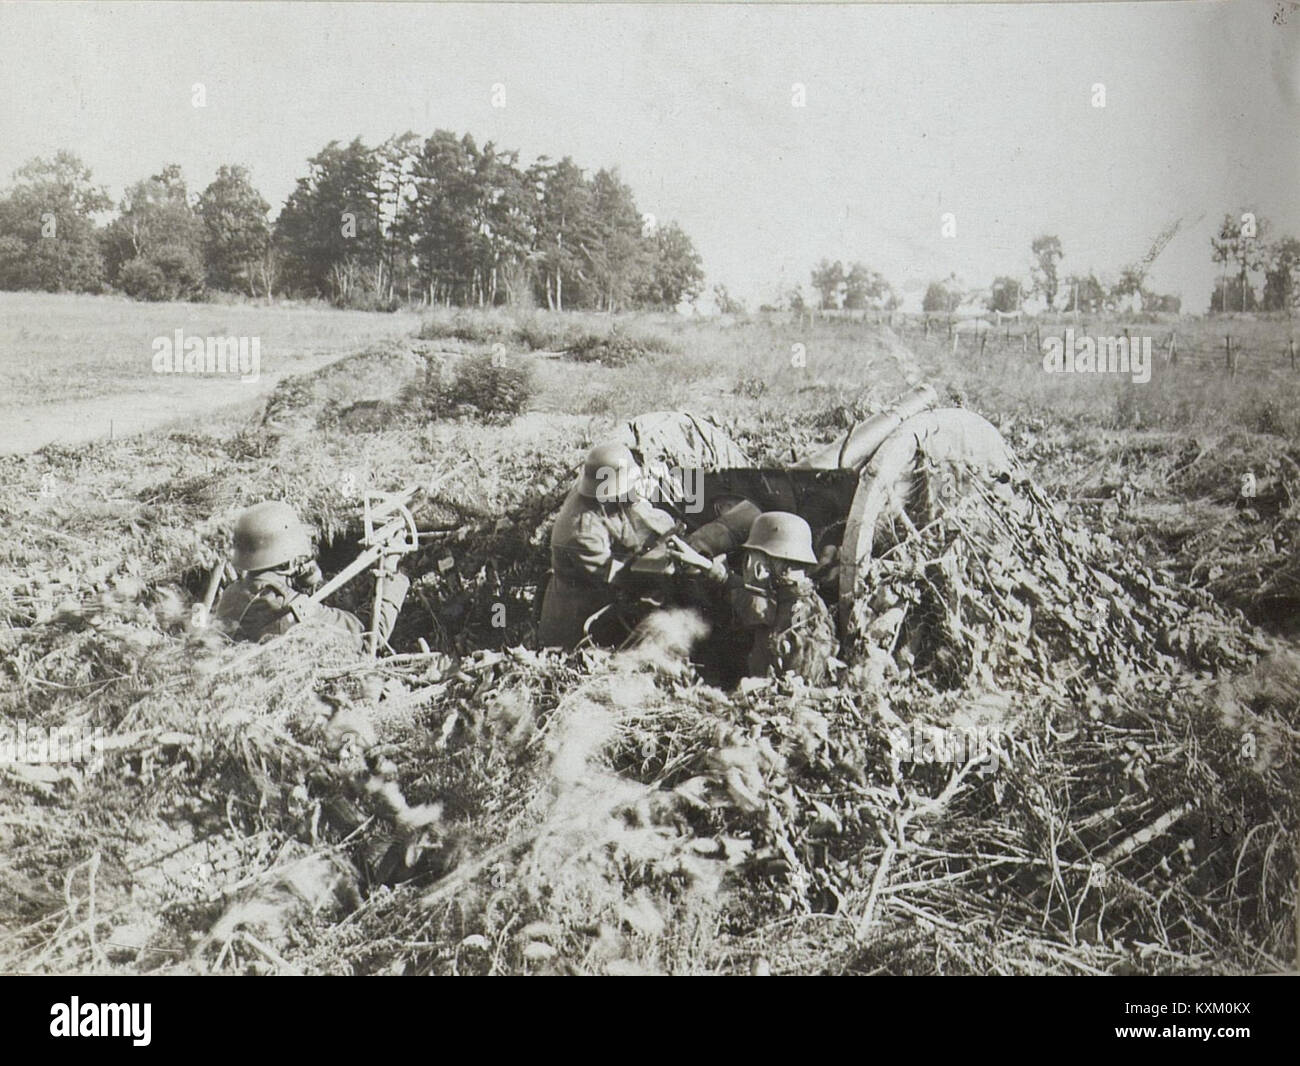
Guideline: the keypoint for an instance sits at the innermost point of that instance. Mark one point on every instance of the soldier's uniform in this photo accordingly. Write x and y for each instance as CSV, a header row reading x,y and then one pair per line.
x,y
800,638
270,545
591,540
264,604
791,628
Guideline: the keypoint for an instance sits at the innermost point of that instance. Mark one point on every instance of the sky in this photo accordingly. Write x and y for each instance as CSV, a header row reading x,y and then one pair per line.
x,y
984,111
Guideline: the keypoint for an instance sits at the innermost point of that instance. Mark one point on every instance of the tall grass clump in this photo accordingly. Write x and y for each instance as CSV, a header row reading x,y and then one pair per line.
x,y
481,385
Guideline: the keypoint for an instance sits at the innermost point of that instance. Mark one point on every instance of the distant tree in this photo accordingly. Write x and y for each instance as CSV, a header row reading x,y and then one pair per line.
x,y
1282,275
727,304
1130,283
942,296
158,227
1084,292
828,281
795,300
330,232
1005,293
675,272
618,258
1047,253
1239,244
48,237
236,234
1228,295
565,227
864,287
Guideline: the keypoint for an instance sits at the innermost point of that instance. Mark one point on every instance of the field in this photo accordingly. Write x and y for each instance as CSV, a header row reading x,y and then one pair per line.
x,y
473,806
76,368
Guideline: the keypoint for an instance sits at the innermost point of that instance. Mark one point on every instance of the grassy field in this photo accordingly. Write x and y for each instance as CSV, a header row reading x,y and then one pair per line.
x,y
55,348
483,807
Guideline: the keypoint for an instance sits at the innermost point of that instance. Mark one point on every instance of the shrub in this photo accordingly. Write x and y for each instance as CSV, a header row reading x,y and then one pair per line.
x,y
617,348
142,280
496,391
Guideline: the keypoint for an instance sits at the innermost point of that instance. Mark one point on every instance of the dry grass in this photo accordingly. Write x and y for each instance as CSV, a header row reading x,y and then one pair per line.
x,y
483,808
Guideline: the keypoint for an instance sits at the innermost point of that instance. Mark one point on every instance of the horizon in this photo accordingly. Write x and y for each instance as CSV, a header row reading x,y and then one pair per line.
x,y
907,117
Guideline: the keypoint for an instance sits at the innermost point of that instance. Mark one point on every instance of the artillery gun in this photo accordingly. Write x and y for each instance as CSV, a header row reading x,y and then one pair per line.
x,y
878,483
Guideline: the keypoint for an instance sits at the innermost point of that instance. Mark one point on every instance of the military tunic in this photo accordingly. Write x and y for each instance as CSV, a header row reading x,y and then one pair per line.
x,y
264,604
793,631
589,542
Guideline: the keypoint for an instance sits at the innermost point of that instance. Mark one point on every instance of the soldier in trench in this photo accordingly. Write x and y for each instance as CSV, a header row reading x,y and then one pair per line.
x,y
278,572
772,597
604,525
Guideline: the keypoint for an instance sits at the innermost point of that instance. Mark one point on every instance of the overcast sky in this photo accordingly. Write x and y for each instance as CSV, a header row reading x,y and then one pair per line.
x,y
985,111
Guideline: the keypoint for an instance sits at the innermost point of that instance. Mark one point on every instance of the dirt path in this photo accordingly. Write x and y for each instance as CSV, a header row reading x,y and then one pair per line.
x,y
25,429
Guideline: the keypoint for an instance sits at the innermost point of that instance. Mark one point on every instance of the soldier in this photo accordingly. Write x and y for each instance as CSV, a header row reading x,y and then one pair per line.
x,y
602,527
792,626
273,552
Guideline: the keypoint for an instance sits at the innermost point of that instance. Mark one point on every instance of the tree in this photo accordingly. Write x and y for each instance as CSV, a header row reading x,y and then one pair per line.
x,y
48,237
617,257
1239,242
864,287
158,226
1047,253
727,304
236,233
1281,291
828,281
1130,283
565,225
1084,292
330,233
675,271
1228,295
1004,295
944,296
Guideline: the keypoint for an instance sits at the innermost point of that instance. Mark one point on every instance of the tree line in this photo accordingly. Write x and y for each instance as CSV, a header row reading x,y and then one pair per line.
x,y
1258,274
439,220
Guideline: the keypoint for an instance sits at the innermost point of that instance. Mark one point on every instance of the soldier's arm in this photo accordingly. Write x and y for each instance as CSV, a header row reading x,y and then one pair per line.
x,y
591,551
395,588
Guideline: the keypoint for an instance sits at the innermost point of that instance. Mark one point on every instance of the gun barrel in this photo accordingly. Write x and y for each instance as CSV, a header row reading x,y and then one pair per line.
x,y
854,449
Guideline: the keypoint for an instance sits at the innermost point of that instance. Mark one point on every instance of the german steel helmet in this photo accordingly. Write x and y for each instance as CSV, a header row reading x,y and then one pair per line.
x,y
609,474
269,534
782,536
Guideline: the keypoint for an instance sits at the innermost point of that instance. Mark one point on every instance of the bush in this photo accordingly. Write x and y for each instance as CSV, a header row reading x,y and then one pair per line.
x,y
465,327
173,272
496,391
617,348
141,279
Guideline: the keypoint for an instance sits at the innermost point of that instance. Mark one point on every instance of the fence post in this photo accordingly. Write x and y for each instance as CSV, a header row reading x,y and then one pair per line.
x,y
1171,353
1024,344
1230,355
983,339
1038,337
1290,347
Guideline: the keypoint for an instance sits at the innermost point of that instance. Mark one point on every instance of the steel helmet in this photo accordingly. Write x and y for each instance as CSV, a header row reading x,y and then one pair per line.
x,y
609,474
267,535
782,536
